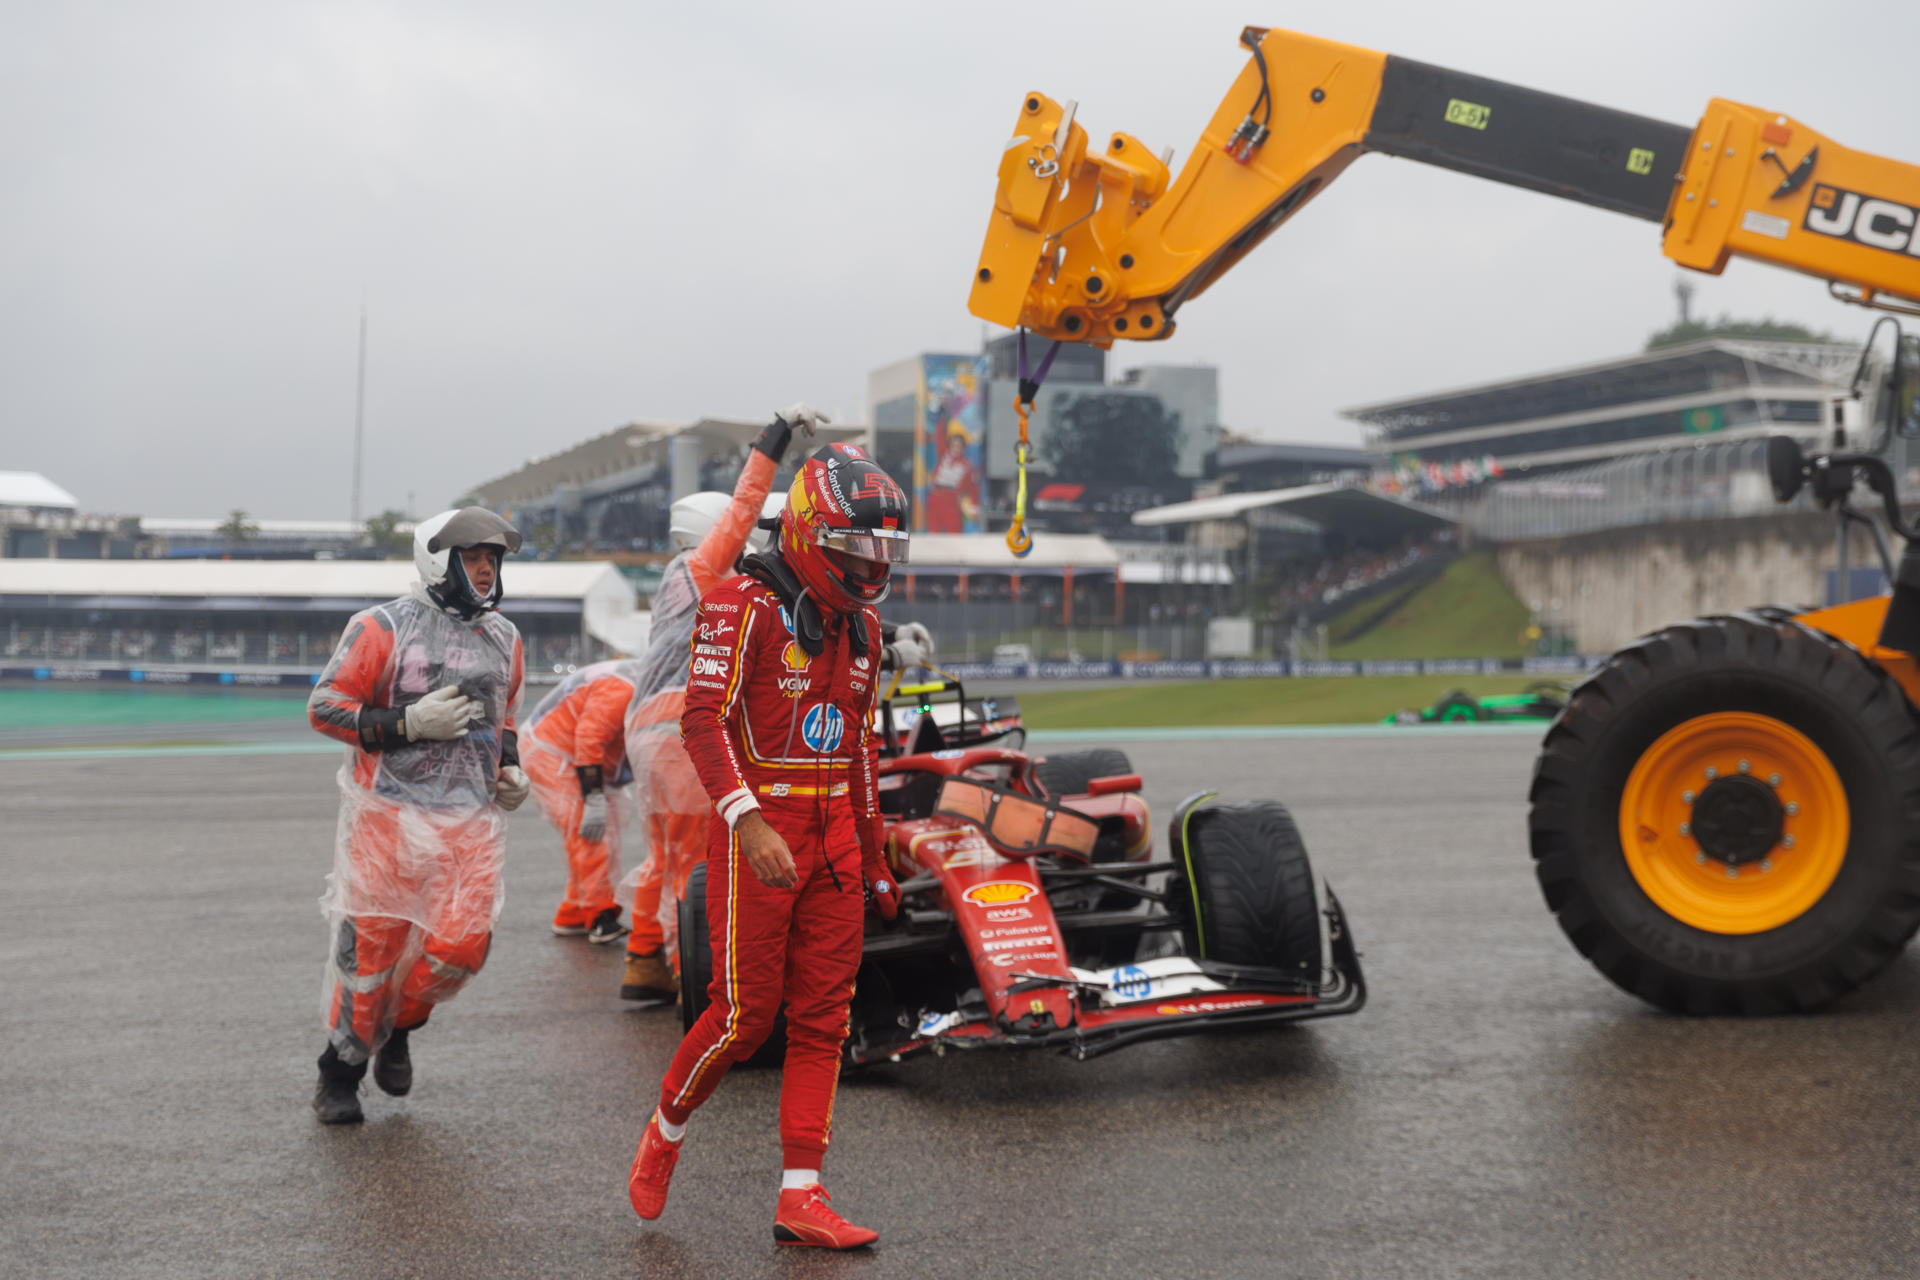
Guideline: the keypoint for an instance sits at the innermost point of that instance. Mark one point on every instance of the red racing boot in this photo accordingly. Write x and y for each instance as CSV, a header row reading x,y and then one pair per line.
x,y
805,1218
652,1170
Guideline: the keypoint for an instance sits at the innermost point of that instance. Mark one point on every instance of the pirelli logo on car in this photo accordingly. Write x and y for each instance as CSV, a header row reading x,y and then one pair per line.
x,y
1863,219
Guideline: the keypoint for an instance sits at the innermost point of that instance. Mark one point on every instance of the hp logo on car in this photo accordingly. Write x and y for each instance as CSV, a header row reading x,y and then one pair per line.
x,y
822,728
1131,982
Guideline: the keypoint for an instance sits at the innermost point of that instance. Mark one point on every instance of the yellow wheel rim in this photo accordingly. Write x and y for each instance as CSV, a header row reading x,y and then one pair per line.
x,y
1743,882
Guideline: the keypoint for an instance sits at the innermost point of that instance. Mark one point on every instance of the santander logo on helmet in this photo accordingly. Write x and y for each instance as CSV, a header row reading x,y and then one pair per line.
x,y
843,528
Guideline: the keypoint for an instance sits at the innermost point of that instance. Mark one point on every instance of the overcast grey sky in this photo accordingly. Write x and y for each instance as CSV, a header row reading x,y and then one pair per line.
x,y
568,216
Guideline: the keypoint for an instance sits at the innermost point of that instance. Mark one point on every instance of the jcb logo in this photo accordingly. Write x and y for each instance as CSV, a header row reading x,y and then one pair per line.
x,y
1867,220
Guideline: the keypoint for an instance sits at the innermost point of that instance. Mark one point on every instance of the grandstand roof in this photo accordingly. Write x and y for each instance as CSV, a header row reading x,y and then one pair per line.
x,y
1692,369
172,525
31,489
987,553
614,453
293,585
1339,507
1242,453
610,451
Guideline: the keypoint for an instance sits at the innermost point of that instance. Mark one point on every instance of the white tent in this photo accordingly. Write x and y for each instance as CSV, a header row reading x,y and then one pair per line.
x,y
31,489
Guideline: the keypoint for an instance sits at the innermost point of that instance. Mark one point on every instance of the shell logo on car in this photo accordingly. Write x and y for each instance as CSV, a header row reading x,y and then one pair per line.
x,y
793,657
999,893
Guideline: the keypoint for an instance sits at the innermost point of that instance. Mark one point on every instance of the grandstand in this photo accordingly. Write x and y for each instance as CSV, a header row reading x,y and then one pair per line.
x,y
1722,389
609,494
271,621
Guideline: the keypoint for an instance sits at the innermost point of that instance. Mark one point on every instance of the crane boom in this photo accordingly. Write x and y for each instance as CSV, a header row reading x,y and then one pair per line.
x,y
1093,244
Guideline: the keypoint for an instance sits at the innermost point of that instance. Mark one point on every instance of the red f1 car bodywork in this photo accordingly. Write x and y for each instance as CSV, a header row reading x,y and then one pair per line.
x,y
1034,914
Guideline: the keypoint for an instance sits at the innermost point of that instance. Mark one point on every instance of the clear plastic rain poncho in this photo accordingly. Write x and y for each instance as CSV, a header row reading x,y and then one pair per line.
x,y
420,839
554,787
669,807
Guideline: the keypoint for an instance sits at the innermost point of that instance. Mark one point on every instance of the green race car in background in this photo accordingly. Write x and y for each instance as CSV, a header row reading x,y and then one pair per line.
x,y
1542,700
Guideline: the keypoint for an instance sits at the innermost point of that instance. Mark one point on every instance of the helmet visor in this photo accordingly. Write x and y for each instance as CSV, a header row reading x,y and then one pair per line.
x,y
888,546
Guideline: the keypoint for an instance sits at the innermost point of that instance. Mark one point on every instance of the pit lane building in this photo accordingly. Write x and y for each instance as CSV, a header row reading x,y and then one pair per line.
x,y
1717,390
271,621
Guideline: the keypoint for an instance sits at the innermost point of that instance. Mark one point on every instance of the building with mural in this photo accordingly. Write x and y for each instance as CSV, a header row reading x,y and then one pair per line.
x,y
1100,450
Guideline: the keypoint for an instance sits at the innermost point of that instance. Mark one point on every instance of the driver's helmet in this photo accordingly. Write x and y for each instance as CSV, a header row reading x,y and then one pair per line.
x,y
843,528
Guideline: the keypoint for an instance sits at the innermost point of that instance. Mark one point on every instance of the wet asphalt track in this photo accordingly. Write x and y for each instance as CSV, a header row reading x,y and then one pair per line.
x,y
1497,1110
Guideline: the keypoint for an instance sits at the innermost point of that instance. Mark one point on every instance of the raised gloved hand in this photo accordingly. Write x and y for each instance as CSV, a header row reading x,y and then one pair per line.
x,y
803,417
593,817
442,714
912,646
511,787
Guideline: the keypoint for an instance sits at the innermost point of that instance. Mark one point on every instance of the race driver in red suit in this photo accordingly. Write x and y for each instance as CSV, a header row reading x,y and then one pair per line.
x,y
785,659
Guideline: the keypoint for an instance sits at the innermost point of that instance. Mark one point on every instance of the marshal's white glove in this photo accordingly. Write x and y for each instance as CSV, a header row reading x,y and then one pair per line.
x,y
912,647
803,417
442,714
510,789
593,817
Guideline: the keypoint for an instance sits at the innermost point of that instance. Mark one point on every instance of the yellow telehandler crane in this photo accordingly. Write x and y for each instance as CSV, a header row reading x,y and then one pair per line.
x,y
1726,817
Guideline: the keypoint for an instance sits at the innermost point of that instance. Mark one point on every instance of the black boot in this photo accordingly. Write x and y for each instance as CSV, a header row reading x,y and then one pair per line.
x,y
337,1097
393,1066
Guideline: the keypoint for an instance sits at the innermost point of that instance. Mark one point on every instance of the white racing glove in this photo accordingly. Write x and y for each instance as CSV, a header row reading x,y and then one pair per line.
x,y
912,647
593,817
510,790
442,714
803,417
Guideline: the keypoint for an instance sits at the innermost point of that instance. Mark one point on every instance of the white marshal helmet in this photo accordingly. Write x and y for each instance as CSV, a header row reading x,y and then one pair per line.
x,y
763,533
436,538
690,518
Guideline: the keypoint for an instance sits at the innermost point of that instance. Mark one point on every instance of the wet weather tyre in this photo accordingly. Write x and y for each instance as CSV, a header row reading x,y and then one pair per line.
x,y
1069,773
696,969
696,950
1726,818
1246,892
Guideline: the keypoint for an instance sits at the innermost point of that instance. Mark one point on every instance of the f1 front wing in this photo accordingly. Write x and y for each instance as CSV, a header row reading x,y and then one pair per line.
x,y
1245,997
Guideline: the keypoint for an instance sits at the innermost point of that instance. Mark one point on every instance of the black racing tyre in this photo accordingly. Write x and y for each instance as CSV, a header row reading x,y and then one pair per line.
x,y
1069,773
1246,894
696,969
696,950
1726,818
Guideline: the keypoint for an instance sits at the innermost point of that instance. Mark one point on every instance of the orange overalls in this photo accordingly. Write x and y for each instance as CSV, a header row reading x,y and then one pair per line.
x,y
581,723
415,888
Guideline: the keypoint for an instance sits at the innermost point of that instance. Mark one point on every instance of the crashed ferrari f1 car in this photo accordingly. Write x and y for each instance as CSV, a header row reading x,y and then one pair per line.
x,y
1035,914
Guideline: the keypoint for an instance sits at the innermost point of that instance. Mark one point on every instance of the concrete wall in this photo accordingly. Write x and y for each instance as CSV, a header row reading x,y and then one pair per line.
x,y
1612,587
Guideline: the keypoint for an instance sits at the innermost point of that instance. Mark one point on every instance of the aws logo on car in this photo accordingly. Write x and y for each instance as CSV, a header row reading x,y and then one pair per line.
x,y
999,893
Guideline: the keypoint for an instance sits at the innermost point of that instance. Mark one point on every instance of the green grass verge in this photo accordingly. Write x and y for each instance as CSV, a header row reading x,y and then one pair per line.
x,y
1332,700
1466,612
39,708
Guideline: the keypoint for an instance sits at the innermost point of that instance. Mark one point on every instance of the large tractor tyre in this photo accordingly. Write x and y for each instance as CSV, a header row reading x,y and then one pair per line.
x,y
1726,818
1245,891
1069,773
696,969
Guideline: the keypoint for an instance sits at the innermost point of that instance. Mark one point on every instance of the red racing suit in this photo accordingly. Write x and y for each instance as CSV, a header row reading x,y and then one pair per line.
x,y
768,726
415,888
673,810
582,723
